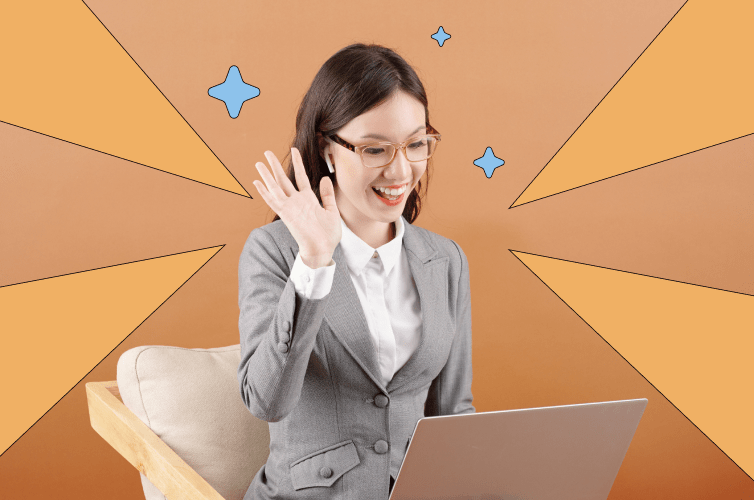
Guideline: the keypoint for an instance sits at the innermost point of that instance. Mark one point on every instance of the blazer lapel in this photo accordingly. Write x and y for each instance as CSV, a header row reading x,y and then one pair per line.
x,y
346,318
430,272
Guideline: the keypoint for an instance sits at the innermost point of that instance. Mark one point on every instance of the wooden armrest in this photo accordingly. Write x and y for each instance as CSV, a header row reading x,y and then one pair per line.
x,y
141,447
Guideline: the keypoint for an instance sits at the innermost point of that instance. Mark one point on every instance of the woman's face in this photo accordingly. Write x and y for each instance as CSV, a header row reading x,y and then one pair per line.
x,y
395,120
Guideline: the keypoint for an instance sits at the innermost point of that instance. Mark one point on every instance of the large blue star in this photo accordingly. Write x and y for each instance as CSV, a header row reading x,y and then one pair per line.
x,y
234,91
440,36
489,162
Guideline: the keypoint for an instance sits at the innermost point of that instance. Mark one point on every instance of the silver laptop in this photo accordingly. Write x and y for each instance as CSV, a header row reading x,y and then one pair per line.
x,y
557,452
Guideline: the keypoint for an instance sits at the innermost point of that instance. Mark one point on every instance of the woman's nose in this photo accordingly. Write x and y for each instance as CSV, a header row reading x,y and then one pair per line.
x,y
399,168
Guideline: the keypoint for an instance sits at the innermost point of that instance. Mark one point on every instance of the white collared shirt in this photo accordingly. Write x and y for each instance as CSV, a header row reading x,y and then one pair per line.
x,y
385,288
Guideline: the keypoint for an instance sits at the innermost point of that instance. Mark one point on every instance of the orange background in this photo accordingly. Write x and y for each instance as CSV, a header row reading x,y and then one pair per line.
x,y
519,77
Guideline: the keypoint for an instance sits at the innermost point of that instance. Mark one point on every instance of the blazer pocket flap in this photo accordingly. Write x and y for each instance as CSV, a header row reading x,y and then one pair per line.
x,y
324,467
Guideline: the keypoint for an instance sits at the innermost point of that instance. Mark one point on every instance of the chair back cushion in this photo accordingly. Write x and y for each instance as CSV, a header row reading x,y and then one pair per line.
x,y
191,400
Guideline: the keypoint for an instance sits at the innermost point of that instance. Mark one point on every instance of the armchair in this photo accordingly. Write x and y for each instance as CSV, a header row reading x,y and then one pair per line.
x,y
176,415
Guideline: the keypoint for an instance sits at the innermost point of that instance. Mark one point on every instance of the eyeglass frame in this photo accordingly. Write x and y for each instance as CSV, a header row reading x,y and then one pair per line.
x,y
431,131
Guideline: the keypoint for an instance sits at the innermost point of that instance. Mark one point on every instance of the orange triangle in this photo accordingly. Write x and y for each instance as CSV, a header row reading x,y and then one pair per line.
x,y
64,75
56,330
694,344
691,89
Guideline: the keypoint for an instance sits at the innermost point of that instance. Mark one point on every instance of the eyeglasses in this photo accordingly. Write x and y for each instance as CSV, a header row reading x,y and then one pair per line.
x,y
381,154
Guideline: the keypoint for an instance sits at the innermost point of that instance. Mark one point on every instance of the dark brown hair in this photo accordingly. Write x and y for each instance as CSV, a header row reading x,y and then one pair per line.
x,y
353,81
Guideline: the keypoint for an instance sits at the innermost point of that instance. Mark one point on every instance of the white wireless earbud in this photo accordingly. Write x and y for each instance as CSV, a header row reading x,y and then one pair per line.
x,y
329,165
327,157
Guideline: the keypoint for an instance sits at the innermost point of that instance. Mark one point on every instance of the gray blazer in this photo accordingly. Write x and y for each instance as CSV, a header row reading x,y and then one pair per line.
x,y
308,367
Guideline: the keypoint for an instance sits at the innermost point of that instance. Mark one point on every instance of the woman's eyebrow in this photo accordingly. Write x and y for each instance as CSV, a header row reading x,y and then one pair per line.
x,y
383,138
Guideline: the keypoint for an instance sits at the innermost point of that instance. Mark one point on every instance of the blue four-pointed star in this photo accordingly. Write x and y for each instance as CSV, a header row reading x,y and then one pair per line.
x,y
234,91
489,162
441,36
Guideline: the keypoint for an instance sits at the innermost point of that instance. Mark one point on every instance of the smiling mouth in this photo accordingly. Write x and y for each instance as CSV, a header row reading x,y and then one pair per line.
x,y
390,194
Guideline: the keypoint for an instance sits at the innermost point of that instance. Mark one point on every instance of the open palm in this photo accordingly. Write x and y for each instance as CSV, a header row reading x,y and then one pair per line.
x,y
316,228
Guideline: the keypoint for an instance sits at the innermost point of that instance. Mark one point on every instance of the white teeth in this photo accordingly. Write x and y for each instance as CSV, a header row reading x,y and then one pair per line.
x,y
392,192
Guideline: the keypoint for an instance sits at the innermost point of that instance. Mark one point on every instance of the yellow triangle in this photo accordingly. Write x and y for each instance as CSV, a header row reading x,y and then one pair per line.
x,y
64,75
691,89
55,330
694,344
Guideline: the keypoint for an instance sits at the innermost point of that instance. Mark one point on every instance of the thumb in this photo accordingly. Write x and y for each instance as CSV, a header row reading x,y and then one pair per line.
x,y
327,193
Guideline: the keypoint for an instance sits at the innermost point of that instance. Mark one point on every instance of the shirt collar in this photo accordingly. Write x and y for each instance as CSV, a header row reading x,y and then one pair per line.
x,y
358,253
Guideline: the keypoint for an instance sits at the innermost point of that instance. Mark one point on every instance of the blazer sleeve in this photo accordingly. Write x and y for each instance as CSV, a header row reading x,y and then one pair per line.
x,y
450,391
278,330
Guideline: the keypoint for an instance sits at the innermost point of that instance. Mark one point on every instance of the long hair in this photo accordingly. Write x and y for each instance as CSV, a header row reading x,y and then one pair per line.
x,y
353,81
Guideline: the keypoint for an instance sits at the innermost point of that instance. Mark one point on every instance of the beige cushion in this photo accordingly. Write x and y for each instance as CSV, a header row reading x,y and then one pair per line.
x,y
190,399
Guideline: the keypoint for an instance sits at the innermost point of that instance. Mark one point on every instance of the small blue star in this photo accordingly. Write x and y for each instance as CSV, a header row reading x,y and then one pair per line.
x,y
489,162
233,91
440,36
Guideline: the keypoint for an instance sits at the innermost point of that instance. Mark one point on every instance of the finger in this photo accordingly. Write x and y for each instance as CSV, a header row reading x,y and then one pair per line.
x,y
277,169
268,199
270,183
327,193
302,180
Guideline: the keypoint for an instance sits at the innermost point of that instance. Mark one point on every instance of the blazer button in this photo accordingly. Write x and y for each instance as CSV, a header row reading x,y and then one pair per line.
x,y
286,326
380,447
283,347
325,472
381,400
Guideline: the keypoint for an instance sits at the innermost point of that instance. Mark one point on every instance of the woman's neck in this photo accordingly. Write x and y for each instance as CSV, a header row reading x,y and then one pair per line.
x,y
373,233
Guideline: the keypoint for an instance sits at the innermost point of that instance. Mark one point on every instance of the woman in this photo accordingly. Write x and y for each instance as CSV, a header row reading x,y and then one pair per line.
x,y
354,323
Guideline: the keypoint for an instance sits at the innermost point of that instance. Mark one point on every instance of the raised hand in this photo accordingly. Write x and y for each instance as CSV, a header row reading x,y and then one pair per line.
x,y
316,228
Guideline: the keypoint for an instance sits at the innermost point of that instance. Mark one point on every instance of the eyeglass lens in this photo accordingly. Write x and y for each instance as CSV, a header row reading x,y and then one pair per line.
x,y
380,155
